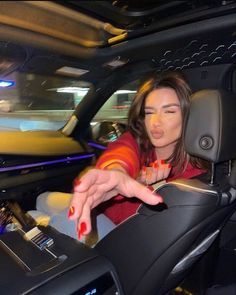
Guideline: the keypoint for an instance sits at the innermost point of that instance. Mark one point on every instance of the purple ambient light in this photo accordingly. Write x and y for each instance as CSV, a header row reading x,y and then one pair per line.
x,y
98,146
46,163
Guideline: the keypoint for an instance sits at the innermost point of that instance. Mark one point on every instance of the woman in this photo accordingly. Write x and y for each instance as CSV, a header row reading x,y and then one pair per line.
x,y
152,150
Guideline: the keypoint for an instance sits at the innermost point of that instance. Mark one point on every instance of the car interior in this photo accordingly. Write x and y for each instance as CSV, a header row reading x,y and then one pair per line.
x,y
68,73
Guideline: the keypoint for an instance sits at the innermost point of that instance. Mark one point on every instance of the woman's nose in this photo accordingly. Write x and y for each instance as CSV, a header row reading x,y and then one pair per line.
x,y
156,119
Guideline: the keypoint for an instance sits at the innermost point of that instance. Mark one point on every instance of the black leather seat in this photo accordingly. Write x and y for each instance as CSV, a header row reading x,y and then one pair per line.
x,y
154,250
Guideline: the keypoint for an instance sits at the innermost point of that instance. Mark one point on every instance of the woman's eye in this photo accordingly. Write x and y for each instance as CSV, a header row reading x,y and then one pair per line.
x,y
148,113
170,112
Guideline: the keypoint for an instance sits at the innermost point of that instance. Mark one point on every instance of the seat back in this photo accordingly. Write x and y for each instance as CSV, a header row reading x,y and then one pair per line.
x,y
155,249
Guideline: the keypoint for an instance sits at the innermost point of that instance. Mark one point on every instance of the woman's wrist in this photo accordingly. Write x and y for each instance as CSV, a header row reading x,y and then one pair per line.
x,y
115,166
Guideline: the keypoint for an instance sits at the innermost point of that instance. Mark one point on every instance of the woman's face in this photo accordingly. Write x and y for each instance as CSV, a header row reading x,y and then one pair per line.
x,y
163,120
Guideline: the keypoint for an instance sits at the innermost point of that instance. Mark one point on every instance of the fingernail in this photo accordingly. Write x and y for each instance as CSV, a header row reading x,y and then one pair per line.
x,y
77,182
144,168
150,188
83,227
155,165
81,230
163,162
169,165
71,211
151,164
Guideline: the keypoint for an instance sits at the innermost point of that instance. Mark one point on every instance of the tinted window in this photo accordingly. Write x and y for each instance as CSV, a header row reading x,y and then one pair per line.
x,y
34,102
117,106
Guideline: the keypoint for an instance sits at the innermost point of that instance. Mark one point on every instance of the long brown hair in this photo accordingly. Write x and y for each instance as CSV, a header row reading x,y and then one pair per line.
x,y
177,82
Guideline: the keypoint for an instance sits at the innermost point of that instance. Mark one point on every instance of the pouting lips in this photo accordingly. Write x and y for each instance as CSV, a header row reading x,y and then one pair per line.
x,y
157,134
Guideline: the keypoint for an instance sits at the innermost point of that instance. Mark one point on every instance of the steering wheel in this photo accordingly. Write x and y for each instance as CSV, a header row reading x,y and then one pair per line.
x,y
107,131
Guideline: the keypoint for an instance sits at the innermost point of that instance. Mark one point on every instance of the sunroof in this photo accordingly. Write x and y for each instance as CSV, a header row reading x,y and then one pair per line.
x,y
137,14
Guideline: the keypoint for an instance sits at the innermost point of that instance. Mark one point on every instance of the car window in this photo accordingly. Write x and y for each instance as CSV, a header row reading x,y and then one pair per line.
x,y
35,102
117,106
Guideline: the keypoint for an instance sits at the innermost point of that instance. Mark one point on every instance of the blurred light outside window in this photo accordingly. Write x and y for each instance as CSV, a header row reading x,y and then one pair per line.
x,y
35,102
116,108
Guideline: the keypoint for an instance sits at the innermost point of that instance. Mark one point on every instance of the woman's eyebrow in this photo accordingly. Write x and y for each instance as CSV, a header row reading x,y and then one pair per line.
x,y
149,107
171,105
164,106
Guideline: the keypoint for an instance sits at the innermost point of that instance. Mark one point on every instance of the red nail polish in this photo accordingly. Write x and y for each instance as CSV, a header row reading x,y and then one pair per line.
x,y
155,165
151,164
71,211
150,188
82,229
169,165
77,182
163,162
144,168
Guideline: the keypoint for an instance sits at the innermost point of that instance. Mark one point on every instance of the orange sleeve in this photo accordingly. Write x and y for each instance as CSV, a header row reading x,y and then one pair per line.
x,y
123,151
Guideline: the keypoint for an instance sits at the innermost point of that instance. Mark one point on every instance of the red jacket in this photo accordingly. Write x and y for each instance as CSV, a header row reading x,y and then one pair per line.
x,y
125,151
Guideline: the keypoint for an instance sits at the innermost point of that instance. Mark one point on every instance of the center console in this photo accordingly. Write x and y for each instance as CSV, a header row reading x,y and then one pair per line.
x,y
40,260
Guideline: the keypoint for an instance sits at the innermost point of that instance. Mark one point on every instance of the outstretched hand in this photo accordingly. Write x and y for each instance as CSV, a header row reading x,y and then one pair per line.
x,y
97,186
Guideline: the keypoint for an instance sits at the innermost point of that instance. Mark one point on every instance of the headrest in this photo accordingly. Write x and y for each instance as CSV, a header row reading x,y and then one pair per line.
x,y
210,132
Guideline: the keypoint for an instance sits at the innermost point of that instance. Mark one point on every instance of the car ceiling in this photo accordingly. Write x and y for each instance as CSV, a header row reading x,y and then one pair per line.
x,y
161,35
135,15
